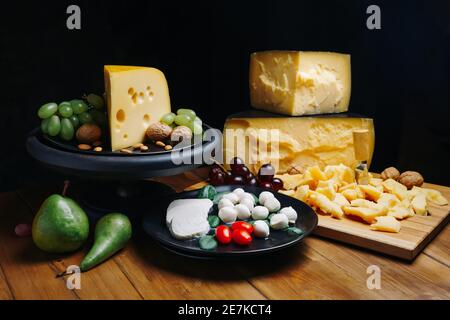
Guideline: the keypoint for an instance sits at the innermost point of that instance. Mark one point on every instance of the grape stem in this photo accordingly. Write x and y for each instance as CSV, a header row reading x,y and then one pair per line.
x,y
219,164
65,188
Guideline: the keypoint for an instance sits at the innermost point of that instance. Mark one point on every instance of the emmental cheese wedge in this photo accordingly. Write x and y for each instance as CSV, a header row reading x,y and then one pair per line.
x,y
299,142
137,97
298,83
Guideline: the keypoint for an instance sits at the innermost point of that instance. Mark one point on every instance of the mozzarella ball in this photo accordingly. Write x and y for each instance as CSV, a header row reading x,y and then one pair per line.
x,y
290,213
279,221
239,191
247,195
260,213
233,197
261,229
225,203
228,214
263,196
243,212
272,204
248,203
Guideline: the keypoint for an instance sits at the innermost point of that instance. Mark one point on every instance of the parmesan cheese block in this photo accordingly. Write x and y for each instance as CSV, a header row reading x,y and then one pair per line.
x,y
136,97
294,142
297,83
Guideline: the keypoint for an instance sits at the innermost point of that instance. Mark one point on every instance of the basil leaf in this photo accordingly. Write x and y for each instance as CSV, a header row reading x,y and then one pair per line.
x,y
213,221
218,196
207,192
207,243
294,231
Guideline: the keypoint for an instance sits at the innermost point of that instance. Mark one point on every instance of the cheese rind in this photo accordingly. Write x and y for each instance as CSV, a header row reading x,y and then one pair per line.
x,y
136,97
298,83
302,141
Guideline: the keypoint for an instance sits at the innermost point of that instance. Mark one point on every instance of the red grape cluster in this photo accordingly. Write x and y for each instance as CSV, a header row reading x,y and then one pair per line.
x,y
240,174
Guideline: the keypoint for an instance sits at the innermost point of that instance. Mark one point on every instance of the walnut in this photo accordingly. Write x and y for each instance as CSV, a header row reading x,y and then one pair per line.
x,y
390,173
410,179
158,131
88,133
182,132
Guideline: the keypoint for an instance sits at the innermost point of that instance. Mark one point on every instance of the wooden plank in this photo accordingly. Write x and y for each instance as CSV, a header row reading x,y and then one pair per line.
x,y
439,248
159,274
415,234
5,291
318,269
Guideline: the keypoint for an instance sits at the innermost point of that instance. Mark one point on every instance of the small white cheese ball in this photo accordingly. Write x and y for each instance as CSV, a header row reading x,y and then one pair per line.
x,y
263,196
260,213
247,195
228,214
272,204
290,213
248,203
233,197
261,229
225,203
243,212
239,191
279,221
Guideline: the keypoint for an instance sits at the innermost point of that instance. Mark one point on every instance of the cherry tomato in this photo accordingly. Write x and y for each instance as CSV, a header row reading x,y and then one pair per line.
x,y
242,237
223,234
242,225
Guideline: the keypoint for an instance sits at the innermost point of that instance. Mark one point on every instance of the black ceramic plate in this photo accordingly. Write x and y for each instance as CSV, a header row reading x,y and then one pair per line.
x,y
153,149
154,224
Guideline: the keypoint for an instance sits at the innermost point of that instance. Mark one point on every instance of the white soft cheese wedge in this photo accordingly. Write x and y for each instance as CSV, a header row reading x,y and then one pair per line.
x,y
188,226
137,97
187,207
297,83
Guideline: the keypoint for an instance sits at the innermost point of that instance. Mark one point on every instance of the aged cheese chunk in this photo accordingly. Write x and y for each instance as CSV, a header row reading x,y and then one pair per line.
x,y
295,142
298,83
419,204
388,224
367,214
137,97
325,205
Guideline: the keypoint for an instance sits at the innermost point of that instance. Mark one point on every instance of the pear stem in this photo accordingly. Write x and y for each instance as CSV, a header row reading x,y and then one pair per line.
x,y
66,186
64,273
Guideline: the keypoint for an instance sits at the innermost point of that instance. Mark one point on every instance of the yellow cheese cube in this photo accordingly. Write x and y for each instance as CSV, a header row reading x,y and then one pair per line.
x,y
341,200
376,182
435,197
396,188
289,193
388,224
298,83
325,205
136,97
371,192
350,194
388,200
367,204
302,193
367,214
290,181
400,212
327,189
419,204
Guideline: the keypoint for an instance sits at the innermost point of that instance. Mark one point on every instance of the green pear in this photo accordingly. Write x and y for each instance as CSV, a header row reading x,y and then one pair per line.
x,y
112,232
60,225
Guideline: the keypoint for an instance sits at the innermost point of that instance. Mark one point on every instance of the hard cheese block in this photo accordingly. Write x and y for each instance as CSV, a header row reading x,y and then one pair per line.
x,y
294,143
137,97
298,83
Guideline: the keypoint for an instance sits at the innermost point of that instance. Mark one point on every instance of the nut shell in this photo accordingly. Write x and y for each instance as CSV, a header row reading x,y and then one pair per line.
x,y
158,131
88,133
410,179
181,133
390,173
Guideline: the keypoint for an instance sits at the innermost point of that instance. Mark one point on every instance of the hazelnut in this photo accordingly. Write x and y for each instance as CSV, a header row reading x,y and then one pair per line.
x,y
410,179
158,131
390,173
88,133
182,132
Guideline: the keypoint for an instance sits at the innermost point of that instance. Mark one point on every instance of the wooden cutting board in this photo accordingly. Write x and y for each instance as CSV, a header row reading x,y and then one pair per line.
x,y
415,234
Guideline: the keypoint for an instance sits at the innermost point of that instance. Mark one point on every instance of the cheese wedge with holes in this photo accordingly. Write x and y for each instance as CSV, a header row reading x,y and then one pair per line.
x,y
298,83
136,97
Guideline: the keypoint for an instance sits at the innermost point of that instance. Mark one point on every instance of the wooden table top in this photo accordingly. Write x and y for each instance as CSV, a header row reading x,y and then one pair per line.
x,y
315,269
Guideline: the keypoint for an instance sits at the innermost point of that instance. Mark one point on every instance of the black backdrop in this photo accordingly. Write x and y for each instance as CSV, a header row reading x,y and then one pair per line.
x,y
401,73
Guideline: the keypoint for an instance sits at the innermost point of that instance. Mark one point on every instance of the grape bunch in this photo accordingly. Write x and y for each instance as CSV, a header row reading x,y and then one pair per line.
x,y
240,174
65,118
184,117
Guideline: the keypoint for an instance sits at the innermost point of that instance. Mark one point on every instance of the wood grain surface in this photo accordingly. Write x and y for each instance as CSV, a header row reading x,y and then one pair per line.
x,y
315,269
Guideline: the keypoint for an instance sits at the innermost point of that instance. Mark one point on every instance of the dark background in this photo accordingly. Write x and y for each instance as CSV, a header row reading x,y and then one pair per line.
x,y
401,73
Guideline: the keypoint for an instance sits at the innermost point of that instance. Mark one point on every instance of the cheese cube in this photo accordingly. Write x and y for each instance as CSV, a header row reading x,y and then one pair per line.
x,y
419,204
367,214
297,83
388,224
136,97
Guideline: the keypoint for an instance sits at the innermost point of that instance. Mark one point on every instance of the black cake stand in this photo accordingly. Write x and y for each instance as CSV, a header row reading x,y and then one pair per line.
x,y
114,181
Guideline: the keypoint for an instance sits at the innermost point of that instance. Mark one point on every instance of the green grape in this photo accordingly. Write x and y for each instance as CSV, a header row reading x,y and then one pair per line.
x,y
47,110
85,117
44,125
67,130
189,112
183,120
198,120
195,127
99,117
54,126
168,118
78,106
75,121
65,109
95,101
